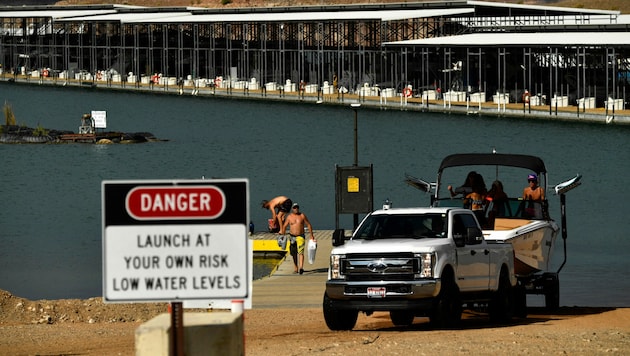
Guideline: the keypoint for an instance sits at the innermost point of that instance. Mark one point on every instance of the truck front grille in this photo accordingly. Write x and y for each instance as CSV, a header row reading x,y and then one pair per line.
x,y
382,267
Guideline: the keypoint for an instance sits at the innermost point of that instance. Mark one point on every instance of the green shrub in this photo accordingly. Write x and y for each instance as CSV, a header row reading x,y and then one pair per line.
x,y
40,131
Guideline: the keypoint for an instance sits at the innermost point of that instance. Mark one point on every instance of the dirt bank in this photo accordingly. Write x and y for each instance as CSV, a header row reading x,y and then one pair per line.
x,y
89,327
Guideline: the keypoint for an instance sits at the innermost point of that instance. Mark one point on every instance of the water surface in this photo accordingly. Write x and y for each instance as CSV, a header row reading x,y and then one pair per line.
x,y
50,215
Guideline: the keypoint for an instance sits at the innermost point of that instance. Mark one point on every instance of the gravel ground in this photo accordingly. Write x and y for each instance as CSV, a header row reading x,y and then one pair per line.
x,y
89,327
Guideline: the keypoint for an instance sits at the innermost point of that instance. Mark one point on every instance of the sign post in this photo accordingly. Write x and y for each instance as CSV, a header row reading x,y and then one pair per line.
x,y
176,240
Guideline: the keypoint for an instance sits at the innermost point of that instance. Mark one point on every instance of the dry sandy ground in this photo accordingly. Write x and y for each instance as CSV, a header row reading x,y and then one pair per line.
x,y
89,327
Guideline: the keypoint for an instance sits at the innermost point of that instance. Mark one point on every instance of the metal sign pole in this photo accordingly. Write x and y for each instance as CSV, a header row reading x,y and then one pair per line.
x,y
177,329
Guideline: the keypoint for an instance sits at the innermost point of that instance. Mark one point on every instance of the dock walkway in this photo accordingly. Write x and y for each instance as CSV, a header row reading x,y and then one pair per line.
x,y
471,108
285,289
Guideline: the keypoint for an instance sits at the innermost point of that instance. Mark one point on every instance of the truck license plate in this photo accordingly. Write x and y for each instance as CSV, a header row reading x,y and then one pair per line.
x,y
376,292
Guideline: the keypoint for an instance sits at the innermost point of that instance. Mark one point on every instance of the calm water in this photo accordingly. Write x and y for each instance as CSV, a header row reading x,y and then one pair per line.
x,y
50,215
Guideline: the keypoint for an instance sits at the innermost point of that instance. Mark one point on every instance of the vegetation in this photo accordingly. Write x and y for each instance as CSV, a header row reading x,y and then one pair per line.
x,y
9,117
40,131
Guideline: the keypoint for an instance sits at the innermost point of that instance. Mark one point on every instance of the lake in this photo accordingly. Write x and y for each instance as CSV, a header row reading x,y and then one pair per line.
x,y
50,220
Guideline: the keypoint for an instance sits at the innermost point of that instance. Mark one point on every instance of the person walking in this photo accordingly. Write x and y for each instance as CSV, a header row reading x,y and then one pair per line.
x,y
296,222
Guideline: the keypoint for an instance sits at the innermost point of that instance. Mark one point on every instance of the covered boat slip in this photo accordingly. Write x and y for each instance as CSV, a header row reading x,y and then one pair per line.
x,y
457,50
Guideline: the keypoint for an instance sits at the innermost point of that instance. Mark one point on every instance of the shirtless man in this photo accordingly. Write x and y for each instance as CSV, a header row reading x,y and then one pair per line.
x,y
280,203
296,221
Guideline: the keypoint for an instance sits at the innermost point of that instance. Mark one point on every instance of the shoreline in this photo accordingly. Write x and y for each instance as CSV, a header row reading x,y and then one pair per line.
x,y
286,319
282,330
511,110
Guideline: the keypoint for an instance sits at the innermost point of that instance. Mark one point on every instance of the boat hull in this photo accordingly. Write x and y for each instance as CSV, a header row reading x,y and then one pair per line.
x,y
533,242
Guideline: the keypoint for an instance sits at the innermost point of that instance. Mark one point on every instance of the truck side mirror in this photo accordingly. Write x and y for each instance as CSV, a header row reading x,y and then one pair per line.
x,y
474,236
339,237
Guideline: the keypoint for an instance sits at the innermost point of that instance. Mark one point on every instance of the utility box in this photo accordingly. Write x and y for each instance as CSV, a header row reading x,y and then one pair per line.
x,y
219,333
354,191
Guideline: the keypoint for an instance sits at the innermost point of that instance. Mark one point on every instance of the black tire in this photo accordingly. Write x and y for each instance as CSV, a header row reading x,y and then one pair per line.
x,y
552,292
338,319
401,317
447,307
502,303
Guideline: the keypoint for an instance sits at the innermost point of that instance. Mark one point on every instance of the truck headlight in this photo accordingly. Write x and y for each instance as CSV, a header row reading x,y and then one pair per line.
x,y
335,266
426,262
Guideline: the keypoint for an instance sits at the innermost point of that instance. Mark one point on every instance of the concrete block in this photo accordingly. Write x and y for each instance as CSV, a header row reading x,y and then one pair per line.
x,y
204,334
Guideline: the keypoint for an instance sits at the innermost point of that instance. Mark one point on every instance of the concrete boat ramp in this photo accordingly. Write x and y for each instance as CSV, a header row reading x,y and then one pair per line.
x,y
286,289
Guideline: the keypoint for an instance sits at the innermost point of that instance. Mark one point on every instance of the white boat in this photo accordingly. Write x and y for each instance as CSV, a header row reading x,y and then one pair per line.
x,y
527,225
533,242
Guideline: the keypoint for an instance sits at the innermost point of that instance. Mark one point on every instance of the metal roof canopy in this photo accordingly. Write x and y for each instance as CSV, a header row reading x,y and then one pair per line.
x,y
179,17
54,14
532,163
595,21
530,39
496,9
125,17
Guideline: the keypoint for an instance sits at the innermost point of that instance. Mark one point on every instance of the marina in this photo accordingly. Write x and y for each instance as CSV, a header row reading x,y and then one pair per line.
x,y
51,198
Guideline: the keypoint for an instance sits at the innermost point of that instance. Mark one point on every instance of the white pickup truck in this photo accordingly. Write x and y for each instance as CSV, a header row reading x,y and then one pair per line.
x,y
417,262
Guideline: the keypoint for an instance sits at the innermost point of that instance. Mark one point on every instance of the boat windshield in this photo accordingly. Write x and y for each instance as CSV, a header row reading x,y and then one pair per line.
x,y
415,226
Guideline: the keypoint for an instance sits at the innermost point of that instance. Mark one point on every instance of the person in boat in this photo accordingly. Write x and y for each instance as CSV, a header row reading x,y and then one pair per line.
x,y
279,207
296,221
533,191
465,188
476,200
497,201
535,195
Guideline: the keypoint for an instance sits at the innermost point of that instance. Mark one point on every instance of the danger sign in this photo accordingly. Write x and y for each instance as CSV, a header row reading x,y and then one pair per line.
x,y
147,203
175,240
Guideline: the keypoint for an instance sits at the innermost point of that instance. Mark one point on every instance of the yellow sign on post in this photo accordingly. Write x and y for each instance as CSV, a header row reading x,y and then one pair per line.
x,y
353,185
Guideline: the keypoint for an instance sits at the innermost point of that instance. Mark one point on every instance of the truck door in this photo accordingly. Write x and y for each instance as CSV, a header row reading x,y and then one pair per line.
x,y
472,258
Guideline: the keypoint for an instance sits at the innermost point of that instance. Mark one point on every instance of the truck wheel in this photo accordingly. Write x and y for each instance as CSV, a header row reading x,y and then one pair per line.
x,y
401,317
447,307
501,307
552,292
338,319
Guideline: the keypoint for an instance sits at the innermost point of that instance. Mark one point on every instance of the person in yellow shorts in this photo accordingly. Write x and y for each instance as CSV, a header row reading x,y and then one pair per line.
x,y
296,222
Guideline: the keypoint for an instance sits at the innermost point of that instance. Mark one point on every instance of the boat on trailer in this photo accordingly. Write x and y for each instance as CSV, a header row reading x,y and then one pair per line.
x,y
525,224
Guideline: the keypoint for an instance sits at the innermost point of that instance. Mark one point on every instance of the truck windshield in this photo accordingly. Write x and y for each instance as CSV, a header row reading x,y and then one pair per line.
x,y
415,226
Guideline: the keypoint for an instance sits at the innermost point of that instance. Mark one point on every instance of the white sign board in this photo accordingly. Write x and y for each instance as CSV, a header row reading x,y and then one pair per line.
x,y
100,119
176,240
